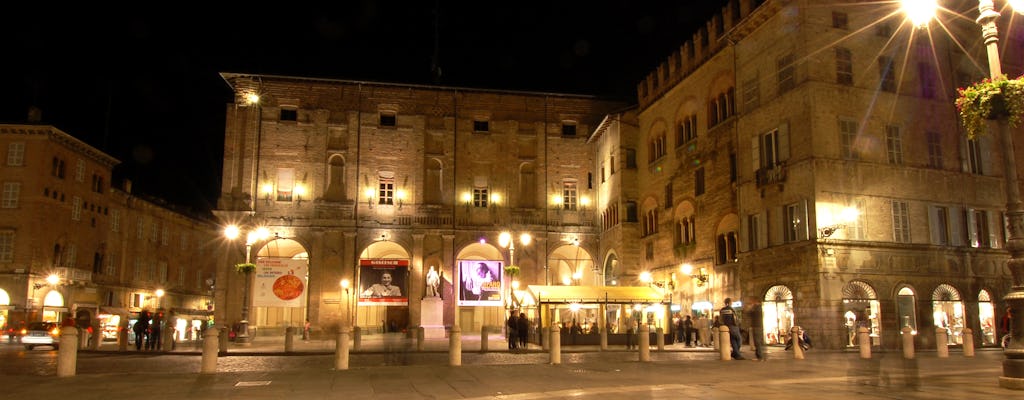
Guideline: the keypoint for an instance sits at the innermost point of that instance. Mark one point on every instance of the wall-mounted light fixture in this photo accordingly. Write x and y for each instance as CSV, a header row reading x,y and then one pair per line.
x,y
268,190
584,202
369,193
834,223
400,197
700,275
300,190
495,199
252,98
556,202
467,199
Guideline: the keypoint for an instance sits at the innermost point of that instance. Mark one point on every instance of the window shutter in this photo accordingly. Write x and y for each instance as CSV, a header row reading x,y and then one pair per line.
x,y
933,224
972,230
755,154
802,230
957,228
783,142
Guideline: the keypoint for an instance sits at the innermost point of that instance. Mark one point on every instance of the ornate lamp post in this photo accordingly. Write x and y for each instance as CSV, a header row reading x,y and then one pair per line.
x,y
232,232
920,12
512,270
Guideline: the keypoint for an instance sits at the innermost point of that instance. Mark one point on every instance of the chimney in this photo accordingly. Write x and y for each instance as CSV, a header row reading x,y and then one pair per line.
x,y
35,115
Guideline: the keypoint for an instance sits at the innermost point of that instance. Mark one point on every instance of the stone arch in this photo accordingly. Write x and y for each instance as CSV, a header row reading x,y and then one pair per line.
x,y
945,292
859,290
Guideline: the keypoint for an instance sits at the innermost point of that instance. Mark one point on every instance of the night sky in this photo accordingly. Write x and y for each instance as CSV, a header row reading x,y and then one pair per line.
x,y
143,85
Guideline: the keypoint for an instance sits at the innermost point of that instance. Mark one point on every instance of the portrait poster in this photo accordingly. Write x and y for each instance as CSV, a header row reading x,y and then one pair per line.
x,y
480,283
280,282
383,282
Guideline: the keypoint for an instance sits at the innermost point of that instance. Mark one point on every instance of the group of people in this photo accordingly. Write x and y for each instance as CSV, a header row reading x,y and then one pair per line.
x,y
147,331
517,330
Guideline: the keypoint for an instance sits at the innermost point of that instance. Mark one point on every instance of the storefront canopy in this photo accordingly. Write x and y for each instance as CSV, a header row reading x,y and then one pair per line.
x,y
596,294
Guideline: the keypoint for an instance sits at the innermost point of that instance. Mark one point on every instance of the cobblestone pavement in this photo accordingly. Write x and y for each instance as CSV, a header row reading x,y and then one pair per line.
x,y
400,372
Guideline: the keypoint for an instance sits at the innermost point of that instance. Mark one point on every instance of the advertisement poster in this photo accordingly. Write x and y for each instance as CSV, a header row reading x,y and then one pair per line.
x,y
383,282
279,282
481,283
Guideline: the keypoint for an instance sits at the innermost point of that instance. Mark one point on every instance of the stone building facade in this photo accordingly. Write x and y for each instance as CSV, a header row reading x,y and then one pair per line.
x,y
811,157
107,250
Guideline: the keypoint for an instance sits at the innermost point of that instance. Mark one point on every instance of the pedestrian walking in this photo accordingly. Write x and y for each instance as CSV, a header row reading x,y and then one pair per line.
x,y
511,331
687,331
141,328
755,315
523,330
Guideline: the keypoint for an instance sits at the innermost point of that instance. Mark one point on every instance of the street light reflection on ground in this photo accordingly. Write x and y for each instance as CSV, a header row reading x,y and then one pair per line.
x,y
920,12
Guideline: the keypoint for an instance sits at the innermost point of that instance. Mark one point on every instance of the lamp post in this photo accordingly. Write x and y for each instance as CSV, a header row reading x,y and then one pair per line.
x,y
505,241
920,12
232,232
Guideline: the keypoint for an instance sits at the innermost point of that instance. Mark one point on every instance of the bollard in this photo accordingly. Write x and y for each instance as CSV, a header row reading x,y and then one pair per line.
x,y
798,339
968,342
210,344
941,342
483,339
864,341
67,352
604,339
419,338
556,345
83,338
122,338
222,340
455,346
644,343
908,343
357,338
724,344
545,339
341,349
289,339
660,338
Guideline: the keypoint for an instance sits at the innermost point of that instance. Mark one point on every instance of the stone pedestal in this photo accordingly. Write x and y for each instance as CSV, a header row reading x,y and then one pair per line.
x,y
432,317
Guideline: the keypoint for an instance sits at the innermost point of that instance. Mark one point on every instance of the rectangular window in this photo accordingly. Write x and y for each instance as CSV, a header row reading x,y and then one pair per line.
x,y
668,195
111,265
80,171
137,271
568,129
974,156
934,150
481,126
12,191
844,66
894,144
847,138
900,222
927,75
140,229
982,229
285,184
76,208
768,149
855,229
786,72
115,221
569,195
791,219
289,114
6,246
887,74
387,119
162,272
138,299
698,182
386,191
940,229
480,197
16,154
181,276
840,20
165,235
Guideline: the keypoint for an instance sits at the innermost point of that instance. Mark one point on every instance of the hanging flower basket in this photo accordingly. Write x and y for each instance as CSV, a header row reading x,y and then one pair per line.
x,y
245,268
990,99
512,270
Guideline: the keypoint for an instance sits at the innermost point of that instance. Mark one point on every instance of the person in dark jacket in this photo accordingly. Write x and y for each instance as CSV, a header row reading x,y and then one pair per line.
x,y
523,330
141,329
728,316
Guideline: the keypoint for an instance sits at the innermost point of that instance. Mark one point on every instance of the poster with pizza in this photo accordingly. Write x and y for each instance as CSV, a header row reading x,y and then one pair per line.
x,y
279,282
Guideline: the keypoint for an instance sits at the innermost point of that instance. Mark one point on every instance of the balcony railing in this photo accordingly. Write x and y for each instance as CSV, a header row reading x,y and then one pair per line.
x,y
773,175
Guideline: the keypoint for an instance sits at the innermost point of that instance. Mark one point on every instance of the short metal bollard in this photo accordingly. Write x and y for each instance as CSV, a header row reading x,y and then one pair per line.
x,y
941,342
545,338
604,339
724,344
222,340
644,343
968,342
556,345
908,342
483,339
67,353
419,338
122,338
660,332
289,339
210,346
341,349
357,338
798,348
455,346
864,341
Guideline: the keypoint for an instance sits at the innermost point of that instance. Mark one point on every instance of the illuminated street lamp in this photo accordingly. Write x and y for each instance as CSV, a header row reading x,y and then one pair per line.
x,y
505,241
159,298
920,12
232,232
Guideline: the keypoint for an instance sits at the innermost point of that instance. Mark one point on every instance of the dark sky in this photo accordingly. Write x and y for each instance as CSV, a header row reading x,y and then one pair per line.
x,y
143,85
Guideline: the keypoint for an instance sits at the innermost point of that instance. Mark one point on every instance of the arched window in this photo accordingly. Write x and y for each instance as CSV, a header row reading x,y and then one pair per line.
x,y
986,318
906,310
335,179
948,312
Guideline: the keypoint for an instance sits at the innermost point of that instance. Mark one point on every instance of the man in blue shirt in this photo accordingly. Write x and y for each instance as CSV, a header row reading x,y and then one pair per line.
x,y
728,317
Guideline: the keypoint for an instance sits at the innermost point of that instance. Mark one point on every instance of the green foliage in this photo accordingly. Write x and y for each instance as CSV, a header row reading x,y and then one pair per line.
x,y
512,270
245,268
990,99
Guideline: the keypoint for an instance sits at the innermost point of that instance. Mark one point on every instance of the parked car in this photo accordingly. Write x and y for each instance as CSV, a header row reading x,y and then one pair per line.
x,y
41,334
